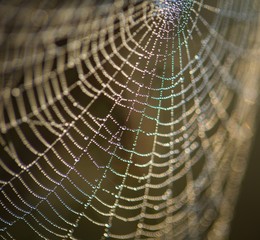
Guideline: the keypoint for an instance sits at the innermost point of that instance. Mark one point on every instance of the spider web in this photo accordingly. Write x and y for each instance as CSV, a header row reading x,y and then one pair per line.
x,y
125,119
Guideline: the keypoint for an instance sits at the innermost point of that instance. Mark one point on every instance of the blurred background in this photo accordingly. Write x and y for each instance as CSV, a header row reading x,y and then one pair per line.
x,y
246,222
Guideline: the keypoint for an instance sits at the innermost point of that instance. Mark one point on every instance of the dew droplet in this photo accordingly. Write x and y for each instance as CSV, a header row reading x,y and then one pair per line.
x,y
197,57
140,225
156,207
107,225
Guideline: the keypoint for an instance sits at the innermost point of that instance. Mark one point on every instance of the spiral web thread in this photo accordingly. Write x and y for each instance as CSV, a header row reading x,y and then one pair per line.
x,y
125,119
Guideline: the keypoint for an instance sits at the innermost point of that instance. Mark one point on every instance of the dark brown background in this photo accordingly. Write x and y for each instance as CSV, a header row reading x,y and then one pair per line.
x,y
246,222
